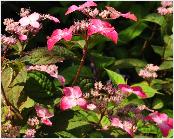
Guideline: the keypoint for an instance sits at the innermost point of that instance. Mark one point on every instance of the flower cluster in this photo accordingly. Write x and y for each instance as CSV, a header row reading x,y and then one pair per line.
x,y
90,26
166,8
72,97
44,114
149,71
8,41
33,122
52,70
9,131
28,24
30,133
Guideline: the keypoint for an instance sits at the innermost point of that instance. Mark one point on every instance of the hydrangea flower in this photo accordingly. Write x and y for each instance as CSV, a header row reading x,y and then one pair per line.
x,y
135,89
80,7
57,35
44,114
162,120
72,97
30,20
103,28
126,125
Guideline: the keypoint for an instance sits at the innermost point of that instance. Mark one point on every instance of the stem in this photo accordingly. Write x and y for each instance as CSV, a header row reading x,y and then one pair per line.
x,y
148,40
15,111
85,49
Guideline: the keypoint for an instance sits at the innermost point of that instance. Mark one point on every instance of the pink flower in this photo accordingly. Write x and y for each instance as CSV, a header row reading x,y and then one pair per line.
x,y
129,16
22,37
135,89
91,107
104,28
80,7
57,35
44,114
56,20
126,125
166,3
30,20
162,120
73,97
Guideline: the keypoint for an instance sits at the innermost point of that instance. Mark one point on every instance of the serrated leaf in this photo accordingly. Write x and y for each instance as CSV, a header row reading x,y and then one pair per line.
x,y
16,86
75,124
70,72
131,32
105,121
129,63
115,77
149,91
39,85
41,56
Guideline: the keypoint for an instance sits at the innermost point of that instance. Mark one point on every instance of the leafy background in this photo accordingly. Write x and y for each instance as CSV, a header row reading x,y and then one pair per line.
x,y
149,40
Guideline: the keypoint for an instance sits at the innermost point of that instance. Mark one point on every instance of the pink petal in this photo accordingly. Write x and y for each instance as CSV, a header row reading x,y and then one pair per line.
x,y
165,129
125,88
67,34
71,9
139,92
91,106
24,21
34,16
56,20
113,35
117,122
87,4
67,103
46,121
35,24
102,27
67,91
43,112
22,37
82,103
77,92
129,16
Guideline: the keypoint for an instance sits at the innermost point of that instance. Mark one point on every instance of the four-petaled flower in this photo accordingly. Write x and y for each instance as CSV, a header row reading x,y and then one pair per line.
x,y
44,114
162,120
134,89
80,7
102,27
72,97
57,35
30,20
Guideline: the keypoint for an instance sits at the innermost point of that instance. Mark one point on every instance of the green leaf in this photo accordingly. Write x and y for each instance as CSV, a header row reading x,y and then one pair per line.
x,y
39,85
131,32
41,56
64,134
129,63
13,88
7,75
157,104
170,135
156,18
149,91
70,72
166,65
149,129
158,49
75,124
102,61
105,121
96,134
115,77
27,104
169,46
